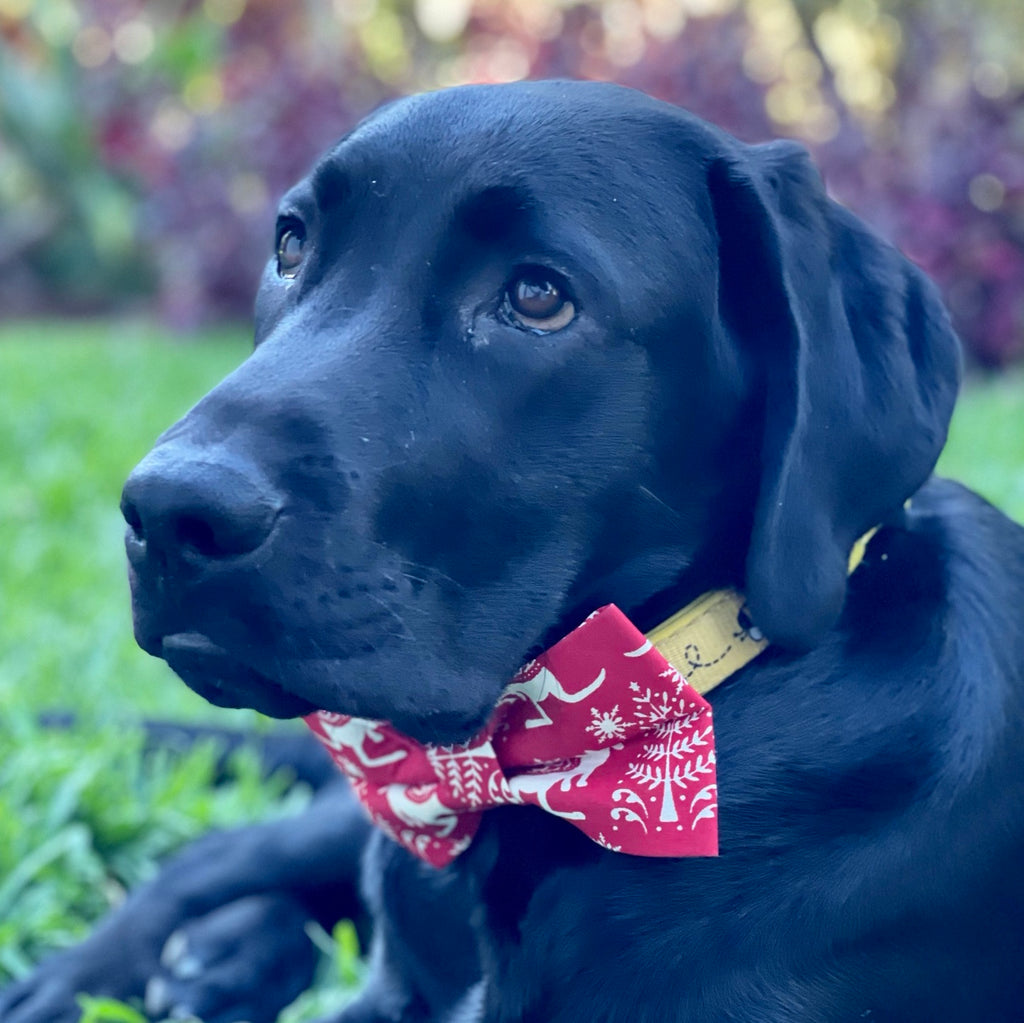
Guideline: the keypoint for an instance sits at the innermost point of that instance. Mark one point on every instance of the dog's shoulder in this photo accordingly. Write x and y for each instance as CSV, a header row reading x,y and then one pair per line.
x,y
923,677
972,557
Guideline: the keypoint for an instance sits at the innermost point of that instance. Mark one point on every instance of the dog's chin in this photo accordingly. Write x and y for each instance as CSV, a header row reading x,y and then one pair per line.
x,y
224,680
210,671
416,692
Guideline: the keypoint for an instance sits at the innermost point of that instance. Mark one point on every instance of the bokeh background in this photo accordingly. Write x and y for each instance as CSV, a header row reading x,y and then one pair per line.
x,y
142,149
141,144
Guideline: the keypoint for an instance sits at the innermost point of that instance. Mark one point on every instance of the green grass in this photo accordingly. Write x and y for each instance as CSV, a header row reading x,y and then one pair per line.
x,y
986,441
79,405
82,815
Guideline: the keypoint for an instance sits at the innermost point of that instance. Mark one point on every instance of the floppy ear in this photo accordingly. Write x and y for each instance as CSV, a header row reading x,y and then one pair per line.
x,y
860,368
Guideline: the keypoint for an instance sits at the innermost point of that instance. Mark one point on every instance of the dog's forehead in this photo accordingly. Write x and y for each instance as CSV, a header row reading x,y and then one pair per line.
x,y
572,137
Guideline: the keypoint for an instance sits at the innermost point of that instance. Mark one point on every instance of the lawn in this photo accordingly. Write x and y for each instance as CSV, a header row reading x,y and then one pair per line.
x,y
81,814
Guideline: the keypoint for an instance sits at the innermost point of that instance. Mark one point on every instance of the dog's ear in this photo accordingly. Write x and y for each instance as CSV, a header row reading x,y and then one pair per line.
x,y
860,368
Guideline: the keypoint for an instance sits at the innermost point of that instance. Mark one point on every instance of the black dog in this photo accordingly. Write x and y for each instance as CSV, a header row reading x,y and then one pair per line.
x,y
526,350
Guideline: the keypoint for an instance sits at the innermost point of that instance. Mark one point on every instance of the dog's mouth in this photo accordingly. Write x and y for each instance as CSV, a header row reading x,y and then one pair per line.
x,y
215,675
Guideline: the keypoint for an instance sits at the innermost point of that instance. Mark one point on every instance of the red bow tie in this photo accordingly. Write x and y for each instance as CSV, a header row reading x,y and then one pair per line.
x,y
600,730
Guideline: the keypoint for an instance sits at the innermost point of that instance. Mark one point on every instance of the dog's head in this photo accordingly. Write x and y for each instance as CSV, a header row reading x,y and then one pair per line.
x,y
523,350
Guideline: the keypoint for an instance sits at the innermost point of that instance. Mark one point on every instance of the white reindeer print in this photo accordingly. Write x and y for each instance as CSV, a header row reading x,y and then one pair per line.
x,y
529,788
419,807
345,734
538,686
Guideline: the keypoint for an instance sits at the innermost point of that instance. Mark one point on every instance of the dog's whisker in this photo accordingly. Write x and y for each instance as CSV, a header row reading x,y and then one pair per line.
x,y
647,492
406,631
430,574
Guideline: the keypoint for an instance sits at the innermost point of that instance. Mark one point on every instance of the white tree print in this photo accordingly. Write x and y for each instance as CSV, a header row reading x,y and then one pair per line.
x,y
653,707
672,762
465,768
674,675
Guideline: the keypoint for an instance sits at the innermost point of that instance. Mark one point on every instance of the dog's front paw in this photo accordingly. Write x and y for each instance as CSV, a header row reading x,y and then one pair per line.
x,y
100,966
46,996
244,961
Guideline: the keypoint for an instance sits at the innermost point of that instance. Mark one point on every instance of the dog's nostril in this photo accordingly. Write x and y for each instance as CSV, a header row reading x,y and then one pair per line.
x,y
221,532
191,531
134,520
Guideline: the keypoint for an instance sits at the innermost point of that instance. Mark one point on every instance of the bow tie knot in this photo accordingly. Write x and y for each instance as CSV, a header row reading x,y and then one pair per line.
x,y
600,730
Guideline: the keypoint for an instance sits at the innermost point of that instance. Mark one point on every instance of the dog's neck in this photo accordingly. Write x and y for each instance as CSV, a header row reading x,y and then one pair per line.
x,y
654,559
712,637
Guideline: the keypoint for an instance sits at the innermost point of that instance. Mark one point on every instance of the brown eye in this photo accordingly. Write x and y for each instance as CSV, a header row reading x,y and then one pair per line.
x,y
290,253
539,303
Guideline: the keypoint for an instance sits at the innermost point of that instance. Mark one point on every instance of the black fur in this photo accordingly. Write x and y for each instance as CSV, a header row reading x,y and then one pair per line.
x,y
402,494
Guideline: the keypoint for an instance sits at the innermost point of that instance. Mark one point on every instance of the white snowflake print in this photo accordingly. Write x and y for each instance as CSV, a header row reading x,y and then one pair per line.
x,y
606,724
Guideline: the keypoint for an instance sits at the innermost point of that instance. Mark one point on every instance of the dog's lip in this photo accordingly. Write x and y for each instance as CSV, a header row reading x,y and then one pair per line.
x,y
224,680
192,643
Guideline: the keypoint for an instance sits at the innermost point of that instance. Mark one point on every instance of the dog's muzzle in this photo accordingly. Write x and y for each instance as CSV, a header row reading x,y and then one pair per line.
x,y
196,521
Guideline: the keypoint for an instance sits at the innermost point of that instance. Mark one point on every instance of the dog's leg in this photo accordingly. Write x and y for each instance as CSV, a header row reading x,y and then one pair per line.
x,y
245,960
283,873
424,963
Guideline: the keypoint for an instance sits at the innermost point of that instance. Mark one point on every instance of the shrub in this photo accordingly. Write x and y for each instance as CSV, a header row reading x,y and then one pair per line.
x,y
141,148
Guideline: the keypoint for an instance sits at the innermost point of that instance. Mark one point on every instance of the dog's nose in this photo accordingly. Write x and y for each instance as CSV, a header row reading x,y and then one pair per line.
x,y
179,503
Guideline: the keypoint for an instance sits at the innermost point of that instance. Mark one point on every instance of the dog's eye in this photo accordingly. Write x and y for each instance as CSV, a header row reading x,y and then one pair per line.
x,y
538,302
290,253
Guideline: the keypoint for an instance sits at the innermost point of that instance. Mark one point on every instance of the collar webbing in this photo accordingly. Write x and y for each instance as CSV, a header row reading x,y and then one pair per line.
x,y
713,637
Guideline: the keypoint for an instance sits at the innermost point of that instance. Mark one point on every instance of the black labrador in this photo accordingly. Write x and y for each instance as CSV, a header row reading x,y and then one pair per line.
x,y
526,350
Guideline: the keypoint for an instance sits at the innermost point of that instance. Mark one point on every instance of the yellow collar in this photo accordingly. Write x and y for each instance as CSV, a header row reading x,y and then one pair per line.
x,y
713,637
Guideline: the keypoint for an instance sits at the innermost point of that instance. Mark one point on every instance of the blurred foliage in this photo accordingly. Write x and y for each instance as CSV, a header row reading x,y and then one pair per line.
x,y
79,406
142,145
83,814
